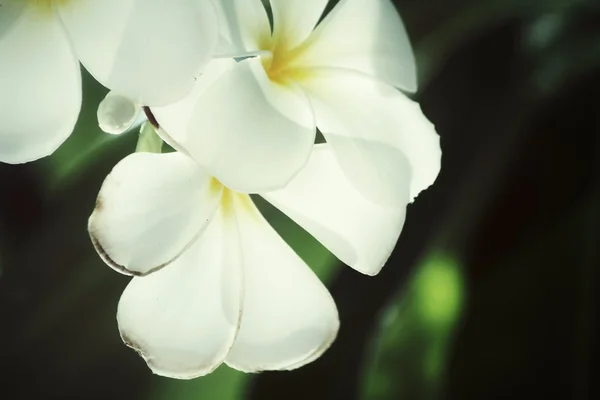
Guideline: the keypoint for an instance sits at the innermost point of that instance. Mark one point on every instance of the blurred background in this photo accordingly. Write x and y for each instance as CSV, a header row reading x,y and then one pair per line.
x,y
491,292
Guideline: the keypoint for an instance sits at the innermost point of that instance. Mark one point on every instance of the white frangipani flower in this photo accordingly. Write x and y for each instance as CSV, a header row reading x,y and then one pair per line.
x,y
148,51
253,123
213,281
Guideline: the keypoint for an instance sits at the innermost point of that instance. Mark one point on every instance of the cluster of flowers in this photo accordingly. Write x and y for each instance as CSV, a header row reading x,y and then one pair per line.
x,y
239,97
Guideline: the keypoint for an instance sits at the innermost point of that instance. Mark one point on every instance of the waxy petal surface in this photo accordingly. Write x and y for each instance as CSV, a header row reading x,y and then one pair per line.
x,y
150,209
360,233
149,51
289,317
252,134
294,20
354,106
366,36
40,83
184,318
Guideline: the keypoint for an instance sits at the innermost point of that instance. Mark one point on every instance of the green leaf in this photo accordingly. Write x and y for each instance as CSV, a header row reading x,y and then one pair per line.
x,y
222,384
409,352
87,143
149,141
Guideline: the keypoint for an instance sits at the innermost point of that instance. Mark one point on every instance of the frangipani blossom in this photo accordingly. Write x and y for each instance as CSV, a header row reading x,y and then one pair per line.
x,y
148,51
252,123
213,282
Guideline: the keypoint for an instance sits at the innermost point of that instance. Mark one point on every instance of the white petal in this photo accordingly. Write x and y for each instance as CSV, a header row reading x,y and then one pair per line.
x,y
378,171
183,319
149,51
40,81
229,35
289,317
243,25
294,20
366,36
351,105
253,23
150,208
321,200
253,135
116,113
176,116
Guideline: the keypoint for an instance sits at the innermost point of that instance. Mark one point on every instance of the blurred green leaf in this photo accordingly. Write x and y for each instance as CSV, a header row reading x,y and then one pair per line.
x,y
223,384
409,351
149,141
87,143
464,18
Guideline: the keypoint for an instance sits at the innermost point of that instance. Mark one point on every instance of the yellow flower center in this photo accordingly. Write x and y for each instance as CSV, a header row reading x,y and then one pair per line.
x,y
281,62
46,5
230,199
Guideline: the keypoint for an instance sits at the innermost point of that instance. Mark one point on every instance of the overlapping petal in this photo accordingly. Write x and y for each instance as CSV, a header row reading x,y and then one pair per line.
x,y
150,209
380,172
353,106
253,22
366,36
289,317
183,319
230,39
40,79
175,118
243,26
294,20
360,233
253,135
149,51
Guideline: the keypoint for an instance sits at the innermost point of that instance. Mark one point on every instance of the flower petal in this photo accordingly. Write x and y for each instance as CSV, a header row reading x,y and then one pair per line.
x,y
40,79
117,114
366,36
354,106
175,118
321,200
289,317
150,209
242,125
149,51
243,25
253,23
294,20
184,318
230,40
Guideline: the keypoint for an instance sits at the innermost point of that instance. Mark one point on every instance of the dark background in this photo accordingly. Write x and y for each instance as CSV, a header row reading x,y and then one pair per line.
x,y
491,292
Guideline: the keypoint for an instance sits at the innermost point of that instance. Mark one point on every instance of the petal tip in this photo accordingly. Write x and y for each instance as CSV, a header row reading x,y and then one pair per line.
x,y
319,351
105,257
367,270
132,344
160,370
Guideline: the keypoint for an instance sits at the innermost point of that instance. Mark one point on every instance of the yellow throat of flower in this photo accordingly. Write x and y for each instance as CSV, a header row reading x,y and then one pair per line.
x,y
229,199
282,63
46,5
